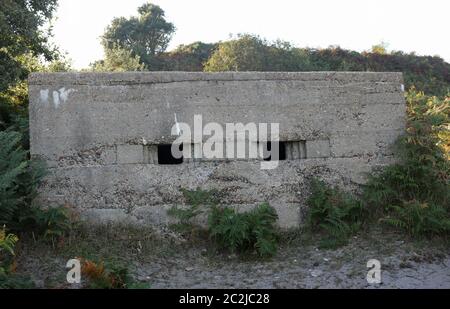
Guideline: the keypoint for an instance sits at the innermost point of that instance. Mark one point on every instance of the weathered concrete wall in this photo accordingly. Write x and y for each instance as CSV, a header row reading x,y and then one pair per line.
x,y
96,132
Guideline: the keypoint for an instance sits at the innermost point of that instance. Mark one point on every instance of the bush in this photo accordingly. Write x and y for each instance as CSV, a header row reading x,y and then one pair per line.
x,y
252,53
19,179
334,213
418,218
414,194
197,200
252,230
13,164
237,232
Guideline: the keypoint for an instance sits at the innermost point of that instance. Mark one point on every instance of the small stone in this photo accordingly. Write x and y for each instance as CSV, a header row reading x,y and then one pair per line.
x,y
316,273
189,268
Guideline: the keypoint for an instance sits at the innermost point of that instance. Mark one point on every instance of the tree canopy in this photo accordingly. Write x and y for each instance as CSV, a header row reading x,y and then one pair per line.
x,y
251,53
190,57
118,59
145,36
21,32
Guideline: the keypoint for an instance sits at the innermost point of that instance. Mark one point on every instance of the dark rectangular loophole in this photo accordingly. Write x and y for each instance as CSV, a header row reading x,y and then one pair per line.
x,y
165,155
281,149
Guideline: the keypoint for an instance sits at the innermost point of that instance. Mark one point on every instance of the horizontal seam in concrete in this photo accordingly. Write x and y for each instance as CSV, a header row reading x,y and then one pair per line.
x,y
133,77
129,83
142,165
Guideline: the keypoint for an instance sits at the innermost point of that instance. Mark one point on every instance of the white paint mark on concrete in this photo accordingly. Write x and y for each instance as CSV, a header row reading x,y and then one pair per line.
x,y
64,94
177,125
43,95
56,98
61,96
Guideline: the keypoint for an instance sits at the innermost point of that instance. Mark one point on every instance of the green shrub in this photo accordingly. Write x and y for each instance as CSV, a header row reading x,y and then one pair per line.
x,y
334,213
423,171
237,232
418,218
53,222
252,53
19,179
240,232
13,163
198,200
414,194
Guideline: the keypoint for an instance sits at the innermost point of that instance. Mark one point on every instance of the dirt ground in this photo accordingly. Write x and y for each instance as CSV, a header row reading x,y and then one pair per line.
x,y
166,262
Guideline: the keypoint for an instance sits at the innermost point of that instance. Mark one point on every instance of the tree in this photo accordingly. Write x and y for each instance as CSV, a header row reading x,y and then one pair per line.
x,y
21,32
380,48
14,100
145,35
246,53
118,60
189,57
251,53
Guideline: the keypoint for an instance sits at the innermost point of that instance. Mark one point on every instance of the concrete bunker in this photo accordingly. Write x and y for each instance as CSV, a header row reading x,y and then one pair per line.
x,y
106,137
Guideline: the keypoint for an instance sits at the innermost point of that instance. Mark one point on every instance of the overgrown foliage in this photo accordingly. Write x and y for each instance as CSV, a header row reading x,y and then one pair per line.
x,y
16,179
199,201
414,194
19,178
249,231
335,214
251,53
418,218
53,223
24,48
